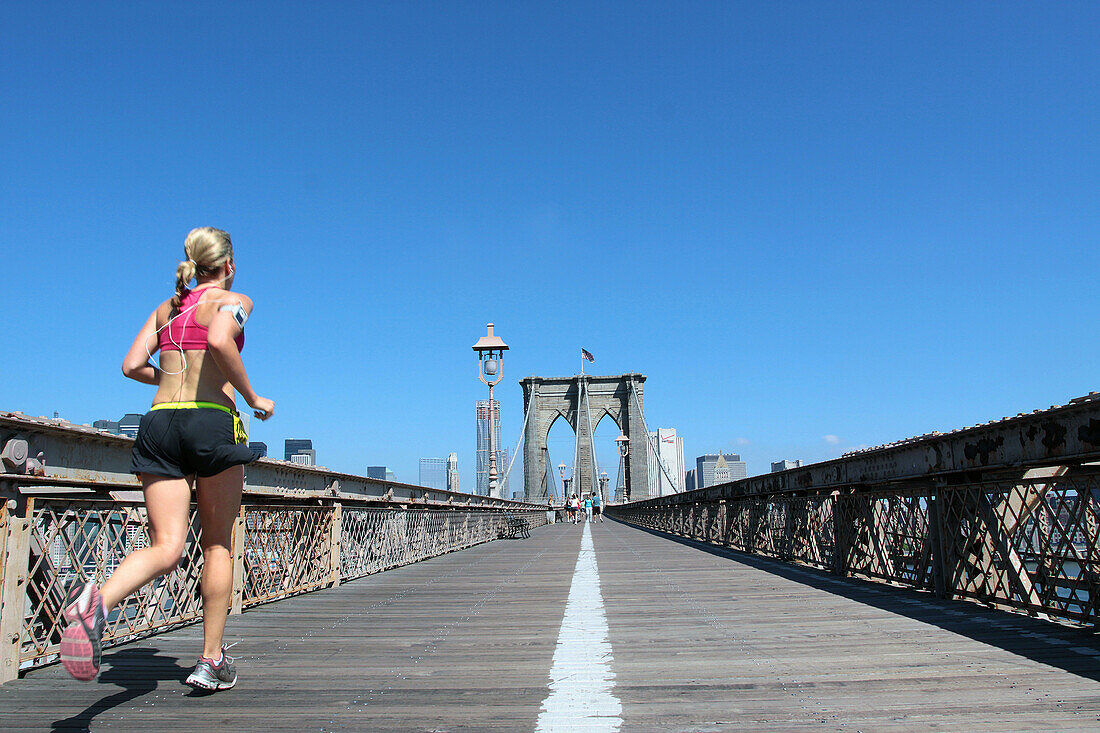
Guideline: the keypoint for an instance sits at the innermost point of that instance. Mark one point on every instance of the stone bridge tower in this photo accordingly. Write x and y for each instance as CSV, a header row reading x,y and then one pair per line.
x,y
580,399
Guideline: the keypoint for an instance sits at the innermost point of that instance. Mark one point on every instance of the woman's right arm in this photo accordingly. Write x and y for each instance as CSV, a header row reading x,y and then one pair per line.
x,y
136,364
220,340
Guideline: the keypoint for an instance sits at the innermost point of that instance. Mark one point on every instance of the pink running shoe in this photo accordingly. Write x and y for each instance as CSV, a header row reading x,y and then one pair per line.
x,y
81,641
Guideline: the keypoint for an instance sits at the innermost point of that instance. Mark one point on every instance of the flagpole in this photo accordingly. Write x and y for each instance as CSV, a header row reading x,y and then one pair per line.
x,y
582,362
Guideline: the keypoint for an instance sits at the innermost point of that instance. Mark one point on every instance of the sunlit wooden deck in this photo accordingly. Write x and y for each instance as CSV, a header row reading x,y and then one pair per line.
x,y
701,641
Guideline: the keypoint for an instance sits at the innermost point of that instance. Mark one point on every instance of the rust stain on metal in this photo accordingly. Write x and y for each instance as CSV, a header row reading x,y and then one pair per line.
x,y
983,449
1054,436
1090,433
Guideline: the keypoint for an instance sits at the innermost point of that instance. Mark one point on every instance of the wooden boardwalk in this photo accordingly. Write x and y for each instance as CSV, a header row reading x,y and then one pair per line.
x,y
700,641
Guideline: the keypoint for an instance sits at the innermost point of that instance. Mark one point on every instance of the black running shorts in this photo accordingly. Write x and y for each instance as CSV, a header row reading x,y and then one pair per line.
x,y
190,441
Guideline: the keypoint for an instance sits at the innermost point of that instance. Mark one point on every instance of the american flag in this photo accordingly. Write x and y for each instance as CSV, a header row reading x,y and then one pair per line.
x,y
588,355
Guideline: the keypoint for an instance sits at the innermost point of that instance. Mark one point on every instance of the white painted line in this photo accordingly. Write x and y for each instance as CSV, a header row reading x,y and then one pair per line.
x,y
581,677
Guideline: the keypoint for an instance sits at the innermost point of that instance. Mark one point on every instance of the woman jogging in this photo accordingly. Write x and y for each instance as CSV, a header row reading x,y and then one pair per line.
x,y
192,437
588,508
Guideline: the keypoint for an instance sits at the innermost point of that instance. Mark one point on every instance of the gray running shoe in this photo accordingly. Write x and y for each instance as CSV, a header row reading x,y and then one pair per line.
x,y
208,676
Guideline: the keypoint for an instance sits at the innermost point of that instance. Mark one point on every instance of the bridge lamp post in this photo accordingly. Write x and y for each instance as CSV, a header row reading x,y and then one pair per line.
x,y
623,443
564,488
490,357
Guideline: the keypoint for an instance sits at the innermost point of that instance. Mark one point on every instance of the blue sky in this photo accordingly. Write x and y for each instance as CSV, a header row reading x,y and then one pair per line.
x,y
798,219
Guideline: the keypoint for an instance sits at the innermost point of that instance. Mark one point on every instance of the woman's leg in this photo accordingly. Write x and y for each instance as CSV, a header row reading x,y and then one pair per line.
x,y
167,503
219,503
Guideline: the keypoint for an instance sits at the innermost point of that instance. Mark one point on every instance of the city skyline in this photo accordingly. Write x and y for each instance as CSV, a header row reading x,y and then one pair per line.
x,y
858,191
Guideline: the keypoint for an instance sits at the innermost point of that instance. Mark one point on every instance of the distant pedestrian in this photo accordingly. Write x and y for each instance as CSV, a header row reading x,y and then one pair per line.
x,y
574,508
597,509
588,508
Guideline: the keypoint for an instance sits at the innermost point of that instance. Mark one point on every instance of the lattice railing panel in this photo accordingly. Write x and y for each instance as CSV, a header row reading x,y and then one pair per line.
x,y
81,541
888,537
811,530
1026,544
286,551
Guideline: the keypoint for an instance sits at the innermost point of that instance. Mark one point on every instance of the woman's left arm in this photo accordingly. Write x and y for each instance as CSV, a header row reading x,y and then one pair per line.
x,y
136,364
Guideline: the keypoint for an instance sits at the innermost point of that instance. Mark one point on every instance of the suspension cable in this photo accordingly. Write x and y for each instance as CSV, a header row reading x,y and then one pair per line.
x,y
656,452
522,432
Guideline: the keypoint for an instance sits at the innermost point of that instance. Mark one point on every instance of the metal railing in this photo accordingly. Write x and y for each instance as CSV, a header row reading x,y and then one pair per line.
x,y
1029,544
280,550
74,524
1005,514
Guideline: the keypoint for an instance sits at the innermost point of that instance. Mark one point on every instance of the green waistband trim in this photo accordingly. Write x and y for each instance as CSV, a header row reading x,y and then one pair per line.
x,y
192,406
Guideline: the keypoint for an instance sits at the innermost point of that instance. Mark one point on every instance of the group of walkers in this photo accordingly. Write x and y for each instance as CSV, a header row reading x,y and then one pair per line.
x,y
592,508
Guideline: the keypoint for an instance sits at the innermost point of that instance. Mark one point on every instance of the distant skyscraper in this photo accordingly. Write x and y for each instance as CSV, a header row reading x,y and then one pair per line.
x,y
258,448
390,475
129,423
294,446
689,480
304,457
719,468
452,472
785,465
378,472
433,473
671,449
483,449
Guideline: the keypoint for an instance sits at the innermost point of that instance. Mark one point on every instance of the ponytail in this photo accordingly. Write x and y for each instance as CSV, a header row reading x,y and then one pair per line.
x,y
185,273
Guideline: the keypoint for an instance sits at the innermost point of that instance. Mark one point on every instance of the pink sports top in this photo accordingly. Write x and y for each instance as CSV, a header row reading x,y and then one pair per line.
x,y
184,333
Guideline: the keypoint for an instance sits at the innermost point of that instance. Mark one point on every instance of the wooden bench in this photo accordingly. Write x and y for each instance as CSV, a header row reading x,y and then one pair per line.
x,y
515,527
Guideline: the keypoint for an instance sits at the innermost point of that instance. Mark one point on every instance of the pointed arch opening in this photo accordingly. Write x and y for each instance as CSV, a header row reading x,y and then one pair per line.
x,y
560,444
608,461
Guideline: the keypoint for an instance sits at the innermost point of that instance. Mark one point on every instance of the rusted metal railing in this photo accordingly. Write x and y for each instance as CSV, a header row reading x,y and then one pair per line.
x,y
1006,514
73,524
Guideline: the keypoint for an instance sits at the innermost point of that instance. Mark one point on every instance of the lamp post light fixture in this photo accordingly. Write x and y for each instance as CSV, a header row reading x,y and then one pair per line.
x,y
623,443
490,369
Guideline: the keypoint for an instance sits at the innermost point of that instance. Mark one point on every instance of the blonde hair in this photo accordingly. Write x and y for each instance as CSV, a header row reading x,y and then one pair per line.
x,y
207,250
